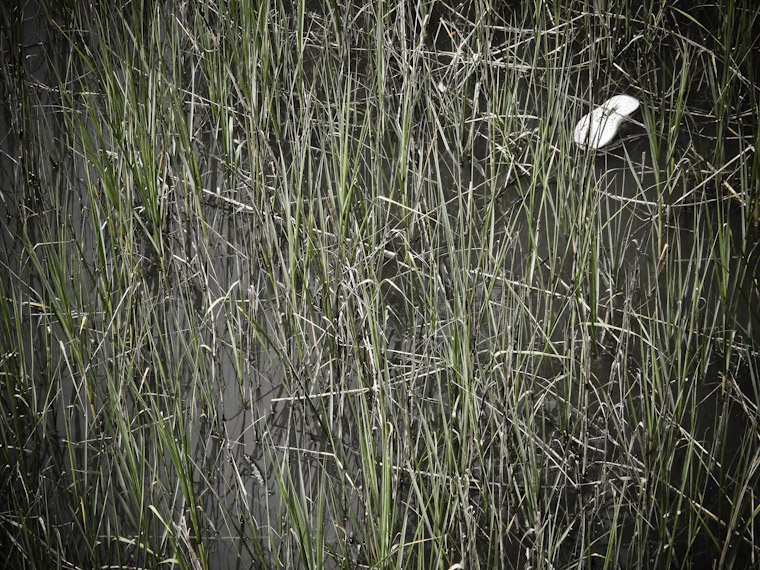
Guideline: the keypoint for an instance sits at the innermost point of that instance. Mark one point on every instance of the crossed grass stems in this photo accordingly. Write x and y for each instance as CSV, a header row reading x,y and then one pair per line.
x,y
336,289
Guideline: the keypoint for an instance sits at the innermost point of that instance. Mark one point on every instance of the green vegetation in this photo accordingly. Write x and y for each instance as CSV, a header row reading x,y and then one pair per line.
x,y
293,285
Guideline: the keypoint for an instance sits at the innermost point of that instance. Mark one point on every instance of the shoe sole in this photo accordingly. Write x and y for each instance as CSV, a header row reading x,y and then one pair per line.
x,y
599,127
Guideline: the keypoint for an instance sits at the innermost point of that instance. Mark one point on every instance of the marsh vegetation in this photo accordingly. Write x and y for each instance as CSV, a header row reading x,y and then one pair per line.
x,y
329,285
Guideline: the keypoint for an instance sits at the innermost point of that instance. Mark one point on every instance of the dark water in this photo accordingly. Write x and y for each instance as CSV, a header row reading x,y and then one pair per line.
x,y
252,425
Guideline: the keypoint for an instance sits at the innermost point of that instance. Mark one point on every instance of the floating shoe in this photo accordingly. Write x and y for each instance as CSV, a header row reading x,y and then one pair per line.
x,y
600,126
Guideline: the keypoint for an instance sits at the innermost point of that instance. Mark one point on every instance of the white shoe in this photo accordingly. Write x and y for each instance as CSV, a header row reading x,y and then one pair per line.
x,y
600,126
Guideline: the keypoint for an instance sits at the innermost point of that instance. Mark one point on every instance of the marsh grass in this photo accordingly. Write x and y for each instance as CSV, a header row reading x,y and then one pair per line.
x,y
300,286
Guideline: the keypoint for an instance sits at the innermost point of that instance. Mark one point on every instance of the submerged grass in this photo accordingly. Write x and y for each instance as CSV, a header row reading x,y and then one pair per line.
x,y
303,286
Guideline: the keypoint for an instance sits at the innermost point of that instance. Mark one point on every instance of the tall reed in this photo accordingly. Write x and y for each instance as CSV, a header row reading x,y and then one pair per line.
x,y
313,286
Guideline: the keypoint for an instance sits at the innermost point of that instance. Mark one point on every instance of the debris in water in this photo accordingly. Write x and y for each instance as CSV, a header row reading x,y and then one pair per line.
x,y
600,126
254,470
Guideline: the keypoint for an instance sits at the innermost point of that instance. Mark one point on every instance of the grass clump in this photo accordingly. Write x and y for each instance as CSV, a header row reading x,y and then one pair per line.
x,y
303,286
